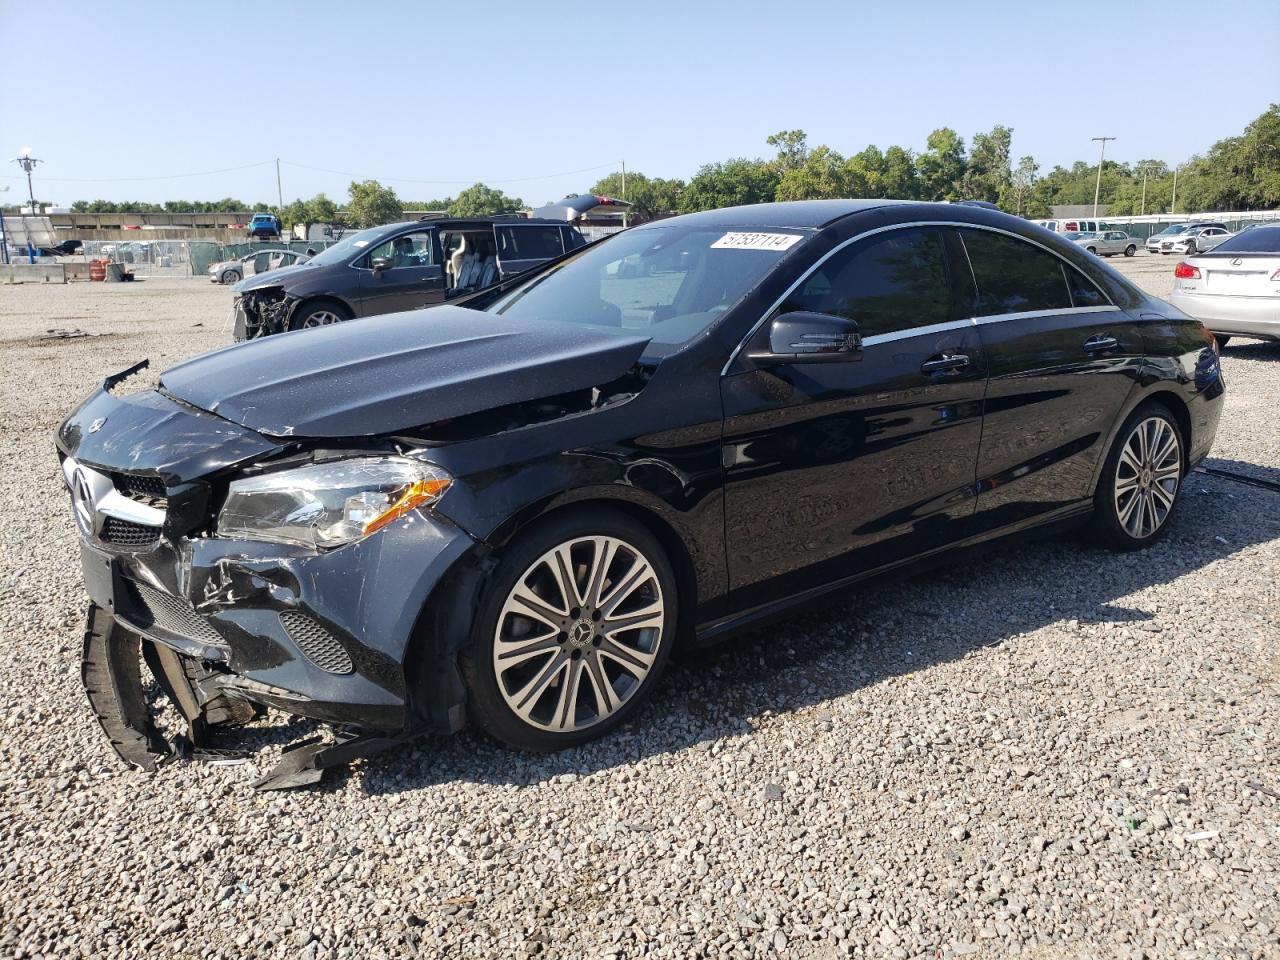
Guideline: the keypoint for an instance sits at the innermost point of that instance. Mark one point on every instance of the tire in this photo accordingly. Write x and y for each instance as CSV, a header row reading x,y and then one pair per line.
x,y
318,313
1223,339
231,276
573,683
1191,249
1093,250
1141,479
1130,250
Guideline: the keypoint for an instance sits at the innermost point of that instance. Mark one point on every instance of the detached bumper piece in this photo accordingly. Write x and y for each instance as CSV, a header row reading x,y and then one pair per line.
x,y
112,675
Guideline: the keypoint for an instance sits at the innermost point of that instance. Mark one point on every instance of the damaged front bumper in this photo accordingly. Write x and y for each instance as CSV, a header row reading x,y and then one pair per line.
x,y
260,313
231,625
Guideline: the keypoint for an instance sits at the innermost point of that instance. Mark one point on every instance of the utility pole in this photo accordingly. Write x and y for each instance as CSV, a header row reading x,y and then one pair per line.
x,y
1173,202
1143,211
4,239
27,162
1097,187
624,194
279,189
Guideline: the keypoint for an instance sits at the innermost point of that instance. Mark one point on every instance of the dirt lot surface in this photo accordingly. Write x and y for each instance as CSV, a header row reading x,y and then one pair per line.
x,y
1052,751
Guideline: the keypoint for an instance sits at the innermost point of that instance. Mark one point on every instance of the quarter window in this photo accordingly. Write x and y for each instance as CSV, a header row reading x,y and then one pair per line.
x,y
893,281
1013,276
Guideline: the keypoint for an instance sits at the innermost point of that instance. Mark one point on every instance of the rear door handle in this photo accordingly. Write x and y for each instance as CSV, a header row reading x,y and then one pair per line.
x,y
1100,343
954,361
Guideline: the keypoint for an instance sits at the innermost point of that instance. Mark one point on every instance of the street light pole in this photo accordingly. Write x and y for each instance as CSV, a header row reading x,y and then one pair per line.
x,y
4,237
1143,211
1173,202
1097,187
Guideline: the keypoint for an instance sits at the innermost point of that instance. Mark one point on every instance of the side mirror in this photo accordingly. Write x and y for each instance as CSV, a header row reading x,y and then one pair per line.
x,y
804,337
379,264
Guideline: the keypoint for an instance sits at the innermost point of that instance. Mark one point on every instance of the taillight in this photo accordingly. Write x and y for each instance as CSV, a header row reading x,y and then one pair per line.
x,y
1185,271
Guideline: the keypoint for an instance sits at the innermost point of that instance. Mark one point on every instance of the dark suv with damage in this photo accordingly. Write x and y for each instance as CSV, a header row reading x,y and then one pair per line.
x,y
510,515
398,266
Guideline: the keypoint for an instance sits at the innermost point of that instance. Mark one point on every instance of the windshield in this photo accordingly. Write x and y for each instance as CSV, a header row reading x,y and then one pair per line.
x,y
668,283
347,247
1180,228
1083,235
1257,240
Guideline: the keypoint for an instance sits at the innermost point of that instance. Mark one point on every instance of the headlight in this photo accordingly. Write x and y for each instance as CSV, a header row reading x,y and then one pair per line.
x,y
329,504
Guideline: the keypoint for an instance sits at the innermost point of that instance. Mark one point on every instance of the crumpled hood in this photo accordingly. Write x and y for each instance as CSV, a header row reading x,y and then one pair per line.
x,y
397,371
271,278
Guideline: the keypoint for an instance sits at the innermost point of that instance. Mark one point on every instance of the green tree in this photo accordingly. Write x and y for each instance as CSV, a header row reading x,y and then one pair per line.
x,y
649,197
821,175
986,174
479,200
942,166
1021,180
731,183
793,149
900,180
371,204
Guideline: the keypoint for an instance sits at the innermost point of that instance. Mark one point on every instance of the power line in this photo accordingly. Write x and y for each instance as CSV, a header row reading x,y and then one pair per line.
x,y
361,176
167,176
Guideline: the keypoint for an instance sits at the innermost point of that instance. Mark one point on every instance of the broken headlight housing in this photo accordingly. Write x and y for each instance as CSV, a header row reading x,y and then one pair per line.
x,y
329,504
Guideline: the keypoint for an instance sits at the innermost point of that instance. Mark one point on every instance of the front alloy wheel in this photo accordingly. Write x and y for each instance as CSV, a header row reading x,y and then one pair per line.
x,y
585,614
578,634
1141,480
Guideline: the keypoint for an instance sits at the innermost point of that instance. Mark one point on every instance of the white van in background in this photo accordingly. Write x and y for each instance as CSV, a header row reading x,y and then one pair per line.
x,y
1073,225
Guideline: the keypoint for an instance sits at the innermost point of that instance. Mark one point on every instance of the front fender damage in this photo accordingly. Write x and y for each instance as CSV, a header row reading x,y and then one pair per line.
x,y
260,313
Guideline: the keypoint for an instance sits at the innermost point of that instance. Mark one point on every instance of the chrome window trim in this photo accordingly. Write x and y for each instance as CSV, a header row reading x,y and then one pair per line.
x,y
903,334
893,335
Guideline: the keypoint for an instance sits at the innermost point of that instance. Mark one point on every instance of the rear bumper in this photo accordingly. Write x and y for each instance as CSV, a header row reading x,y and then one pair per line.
x,y
1238,316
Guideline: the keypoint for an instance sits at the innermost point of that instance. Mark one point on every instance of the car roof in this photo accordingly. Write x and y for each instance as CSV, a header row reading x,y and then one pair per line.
x,y
793,213
504,221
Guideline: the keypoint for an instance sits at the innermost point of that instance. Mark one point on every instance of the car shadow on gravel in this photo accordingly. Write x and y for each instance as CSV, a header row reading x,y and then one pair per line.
x,y
1252,350
881,629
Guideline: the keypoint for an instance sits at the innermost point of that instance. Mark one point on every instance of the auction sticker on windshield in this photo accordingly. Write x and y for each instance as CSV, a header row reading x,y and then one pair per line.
x,y
755,241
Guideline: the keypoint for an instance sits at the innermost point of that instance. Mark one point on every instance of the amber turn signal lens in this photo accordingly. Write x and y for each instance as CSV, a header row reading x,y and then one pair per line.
x,y
420,493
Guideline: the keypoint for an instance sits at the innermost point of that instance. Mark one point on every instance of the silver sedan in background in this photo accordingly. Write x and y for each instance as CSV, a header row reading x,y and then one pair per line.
x,y
1105,243
1196,239
260,261
1235,289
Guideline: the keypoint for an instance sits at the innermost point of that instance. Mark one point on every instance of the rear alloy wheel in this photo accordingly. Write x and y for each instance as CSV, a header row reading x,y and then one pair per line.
x,y
1130,250
579,625
320,314
231,276
1141,480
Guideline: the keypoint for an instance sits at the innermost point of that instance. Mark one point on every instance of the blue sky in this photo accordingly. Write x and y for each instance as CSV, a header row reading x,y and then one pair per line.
x,y
519,94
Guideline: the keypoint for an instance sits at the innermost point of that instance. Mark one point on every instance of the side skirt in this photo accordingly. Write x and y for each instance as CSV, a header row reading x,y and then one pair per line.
x,y
1066,518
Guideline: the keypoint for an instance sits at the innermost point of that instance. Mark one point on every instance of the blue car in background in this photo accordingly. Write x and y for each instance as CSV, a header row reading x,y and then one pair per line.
x,y
264,225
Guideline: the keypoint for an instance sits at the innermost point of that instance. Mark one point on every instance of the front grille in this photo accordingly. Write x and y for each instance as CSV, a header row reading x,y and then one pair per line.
x,y
126,533
155,608
148,490
316,643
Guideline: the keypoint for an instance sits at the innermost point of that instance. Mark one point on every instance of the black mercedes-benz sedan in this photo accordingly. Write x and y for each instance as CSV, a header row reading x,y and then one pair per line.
x,y
511,514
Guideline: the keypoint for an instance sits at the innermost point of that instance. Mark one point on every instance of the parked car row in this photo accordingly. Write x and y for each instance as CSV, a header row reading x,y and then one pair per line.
x,y
511,514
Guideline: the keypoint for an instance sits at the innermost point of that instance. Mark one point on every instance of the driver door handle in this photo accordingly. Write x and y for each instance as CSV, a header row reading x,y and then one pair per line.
x,y
1100,343
948,361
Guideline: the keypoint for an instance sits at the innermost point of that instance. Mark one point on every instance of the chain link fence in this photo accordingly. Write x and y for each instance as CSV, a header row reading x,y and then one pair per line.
x,y
182,258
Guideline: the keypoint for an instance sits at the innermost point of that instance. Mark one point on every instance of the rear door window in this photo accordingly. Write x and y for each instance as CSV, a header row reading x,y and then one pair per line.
x,y
529,243
1014,276
891,282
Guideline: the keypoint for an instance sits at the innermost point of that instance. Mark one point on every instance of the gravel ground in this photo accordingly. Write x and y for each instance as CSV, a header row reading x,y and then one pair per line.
x,y
1050,752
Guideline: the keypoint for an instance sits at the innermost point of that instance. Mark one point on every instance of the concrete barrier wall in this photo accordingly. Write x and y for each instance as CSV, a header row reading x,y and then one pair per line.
x,y
33,273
